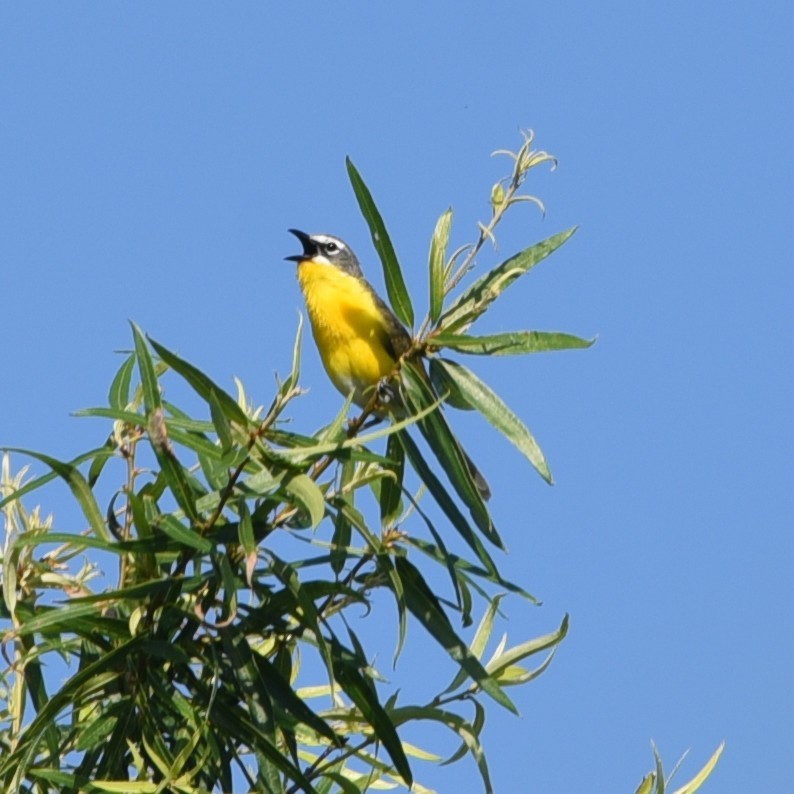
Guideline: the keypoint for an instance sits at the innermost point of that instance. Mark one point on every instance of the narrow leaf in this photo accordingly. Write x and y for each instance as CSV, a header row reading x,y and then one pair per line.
x,y
119,394
245,531
515,342
221,422
186,536
422,603
282,693
646,784
525,649
260,709
78,485
202,384
445,502
391,486
468,733
700,778
440,554
386,566
45,478
292,381
343,528
119,414
447,448
395,284
361,691
305,491
438,256
175,475
491,406
151,388
477,298
481,637
446,387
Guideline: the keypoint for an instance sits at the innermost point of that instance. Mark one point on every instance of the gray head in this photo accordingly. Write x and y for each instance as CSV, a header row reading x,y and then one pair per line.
x,y
325,249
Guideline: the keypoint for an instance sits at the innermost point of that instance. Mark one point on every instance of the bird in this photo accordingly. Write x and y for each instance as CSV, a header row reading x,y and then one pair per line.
x,y
359,338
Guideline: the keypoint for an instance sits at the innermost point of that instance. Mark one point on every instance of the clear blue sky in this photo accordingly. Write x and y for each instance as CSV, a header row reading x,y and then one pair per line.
x,y
152,157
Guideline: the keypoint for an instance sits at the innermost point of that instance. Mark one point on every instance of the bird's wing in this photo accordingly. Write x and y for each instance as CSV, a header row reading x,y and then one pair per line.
x,y
396,338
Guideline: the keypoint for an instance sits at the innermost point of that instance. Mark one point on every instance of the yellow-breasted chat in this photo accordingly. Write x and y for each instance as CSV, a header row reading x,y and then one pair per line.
x,y
359,338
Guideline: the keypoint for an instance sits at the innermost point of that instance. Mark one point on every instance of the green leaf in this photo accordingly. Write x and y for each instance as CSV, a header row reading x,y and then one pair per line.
x,y
158,430
77,484
466,570
117,414
395,284
440,554
202,384
284,695
422,603
292,381
149,383
481,637
445,502
392,485
306,493
119,395
83,541
200,444
446,448
34,681
491,406
468,733
356,519
510,657
250,682
112,661
438,256
474,729
185,536
245,531
479,296
515,342
260,708
343,529
361,691
386,566
693,785
104,451
305,611
447,387
355,446
98,463
175,475
221,422
97,731
646,784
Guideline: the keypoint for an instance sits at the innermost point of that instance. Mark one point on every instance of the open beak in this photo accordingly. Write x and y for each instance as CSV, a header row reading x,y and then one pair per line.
x,y
309,247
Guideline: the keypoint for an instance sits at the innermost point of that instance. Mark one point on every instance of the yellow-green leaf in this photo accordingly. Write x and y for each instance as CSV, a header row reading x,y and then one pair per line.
x,y
512,343
493,408
438,255
700,778
392,274
477,298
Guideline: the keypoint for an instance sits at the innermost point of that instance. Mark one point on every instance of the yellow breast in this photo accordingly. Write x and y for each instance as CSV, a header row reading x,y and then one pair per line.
x,y
349,330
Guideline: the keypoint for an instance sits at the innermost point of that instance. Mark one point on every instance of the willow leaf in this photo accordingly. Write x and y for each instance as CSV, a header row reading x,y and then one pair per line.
x,y
493,408
480,295
392,274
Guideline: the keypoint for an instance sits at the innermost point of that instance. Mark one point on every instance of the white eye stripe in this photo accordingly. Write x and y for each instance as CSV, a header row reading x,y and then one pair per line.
x,y
326,239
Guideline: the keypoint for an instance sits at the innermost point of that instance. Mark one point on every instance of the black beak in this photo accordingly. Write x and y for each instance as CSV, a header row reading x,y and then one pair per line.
x,y
309,246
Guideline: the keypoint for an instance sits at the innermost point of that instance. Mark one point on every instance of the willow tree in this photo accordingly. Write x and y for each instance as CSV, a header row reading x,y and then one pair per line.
x,y
221,655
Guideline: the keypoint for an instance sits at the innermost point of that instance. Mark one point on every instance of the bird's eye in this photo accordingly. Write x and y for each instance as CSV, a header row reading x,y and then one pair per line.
x,y
331,248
